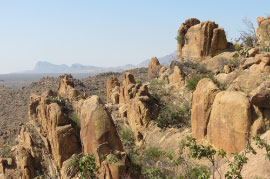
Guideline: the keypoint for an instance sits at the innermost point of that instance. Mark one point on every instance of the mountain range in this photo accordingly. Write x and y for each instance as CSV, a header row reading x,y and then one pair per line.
x,y
47,67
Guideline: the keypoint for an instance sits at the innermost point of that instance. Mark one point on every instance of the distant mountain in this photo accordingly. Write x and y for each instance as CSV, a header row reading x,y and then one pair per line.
x,y
165,61
47,67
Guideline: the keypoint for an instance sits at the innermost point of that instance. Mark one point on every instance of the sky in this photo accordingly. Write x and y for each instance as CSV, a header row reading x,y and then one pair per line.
x,y
107,33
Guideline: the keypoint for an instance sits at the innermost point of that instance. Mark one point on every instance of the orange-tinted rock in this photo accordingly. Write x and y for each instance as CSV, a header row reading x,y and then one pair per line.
x,y
182,32
263,30
66,88
203,98
229,122
112,83
201,40
127,89
153,68
178,76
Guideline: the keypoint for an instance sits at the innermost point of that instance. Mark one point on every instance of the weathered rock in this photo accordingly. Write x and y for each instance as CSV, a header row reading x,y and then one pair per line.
x,y
140,111
112,83
54,125
178,76
127,89
66,88
153,68
201,40
182,32
203,98
263,30
229,122
227,69
261,95
252,52
99,137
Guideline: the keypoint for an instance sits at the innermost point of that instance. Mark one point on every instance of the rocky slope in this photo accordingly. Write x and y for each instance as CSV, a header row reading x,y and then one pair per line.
x,y
132,123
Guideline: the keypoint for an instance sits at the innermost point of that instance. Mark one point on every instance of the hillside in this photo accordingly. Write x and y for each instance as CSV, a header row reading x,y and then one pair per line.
x,y
204,115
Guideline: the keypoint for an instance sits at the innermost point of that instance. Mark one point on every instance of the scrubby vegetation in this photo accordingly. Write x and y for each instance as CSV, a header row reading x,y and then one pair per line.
x,y
5,151
126,136
57,100
85,165
172,116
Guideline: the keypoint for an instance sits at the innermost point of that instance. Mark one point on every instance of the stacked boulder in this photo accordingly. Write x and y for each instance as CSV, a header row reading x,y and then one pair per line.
x,y
137,105
112,90
224,118
198,40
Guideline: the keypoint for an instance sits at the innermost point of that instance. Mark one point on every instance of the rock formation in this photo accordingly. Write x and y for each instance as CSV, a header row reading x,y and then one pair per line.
x,y
198,40
203,98
263,30
153,68
99,137
228,128
66,88
137,105
112,90
178,76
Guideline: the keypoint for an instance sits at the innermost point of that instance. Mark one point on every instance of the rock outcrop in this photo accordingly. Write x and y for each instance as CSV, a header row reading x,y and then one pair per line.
x,y
200,40
153,68
263,30
99,137
178,76
182,32
55,126
66,88
230,121
112,90
137,105
203,98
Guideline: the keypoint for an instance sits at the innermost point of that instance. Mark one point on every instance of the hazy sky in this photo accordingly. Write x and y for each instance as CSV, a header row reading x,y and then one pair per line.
x,y
106,32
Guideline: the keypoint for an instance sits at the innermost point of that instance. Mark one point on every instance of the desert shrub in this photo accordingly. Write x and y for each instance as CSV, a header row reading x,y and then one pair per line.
x,y
197,172
153,153
112,159
234,61
153,173
194,80
237,46
75,118
202,69
126,136
5,151
85,165
262,143
57,100
138,81
135,159
248,37
172,116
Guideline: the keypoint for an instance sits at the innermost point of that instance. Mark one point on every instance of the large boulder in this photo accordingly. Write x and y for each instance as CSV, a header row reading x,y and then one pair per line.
x,y
261,95
182,32
100,138
203,98
230,121
153,68
263,30
202,40
112,86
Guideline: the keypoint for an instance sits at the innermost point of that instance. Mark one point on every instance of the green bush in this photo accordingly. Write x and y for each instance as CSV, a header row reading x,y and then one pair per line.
x,y
172,116
5,151
194,80
85,165
153,173
126,136
200,172
112,159
237,46
57,100
153,153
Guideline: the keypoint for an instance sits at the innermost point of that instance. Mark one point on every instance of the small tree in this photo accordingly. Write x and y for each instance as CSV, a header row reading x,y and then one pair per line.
x,y
248,36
